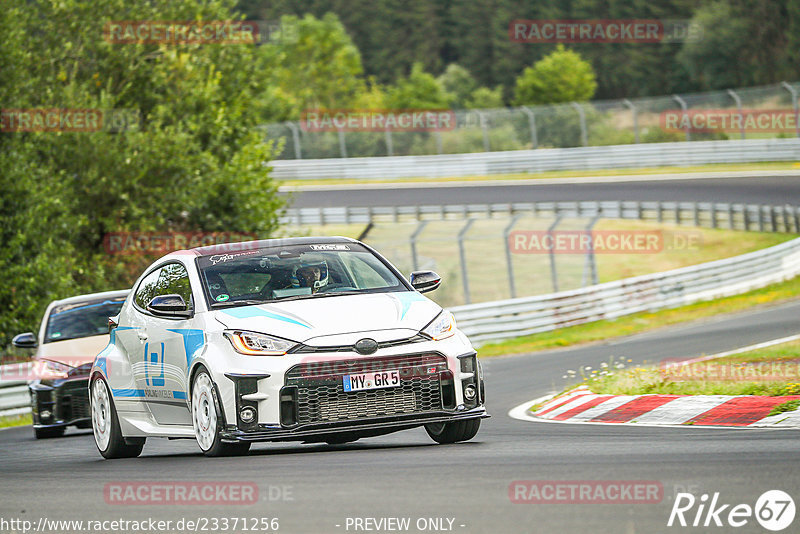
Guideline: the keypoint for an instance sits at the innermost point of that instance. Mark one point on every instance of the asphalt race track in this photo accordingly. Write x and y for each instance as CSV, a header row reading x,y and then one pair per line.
x,y
772,190
317,487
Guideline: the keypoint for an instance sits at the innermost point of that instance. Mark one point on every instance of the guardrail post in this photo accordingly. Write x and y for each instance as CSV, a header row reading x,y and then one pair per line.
x,y
463,257
509,258
787,224
389,145
582,115
696,214
630,106
484,129
298,154
342,144
760,217
553,273
713,215
793,92
660,212
730,216
685,109
796,220
590,265
746,217
773,219
678,213
532,124
437,135
739,107
414,259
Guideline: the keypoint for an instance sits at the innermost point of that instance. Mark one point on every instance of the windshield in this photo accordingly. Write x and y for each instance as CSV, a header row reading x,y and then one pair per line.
x,y
81,319
294,272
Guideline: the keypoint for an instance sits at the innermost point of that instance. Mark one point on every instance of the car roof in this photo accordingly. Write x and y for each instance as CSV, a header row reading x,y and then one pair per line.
x,y
78,298
264,243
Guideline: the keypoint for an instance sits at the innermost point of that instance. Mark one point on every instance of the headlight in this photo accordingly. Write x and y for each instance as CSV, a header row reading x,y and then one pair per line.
x,y
51,370
442,327
258,344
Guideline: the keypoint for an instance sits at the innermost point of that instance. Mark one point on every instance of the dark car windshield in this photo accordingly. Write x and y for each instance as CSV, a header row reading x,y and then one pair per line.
x,y
294,272
81,318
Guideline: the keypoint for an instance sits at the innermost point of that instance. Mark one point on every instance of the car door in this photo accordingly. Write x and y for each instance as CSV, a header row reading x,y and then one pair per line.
x,y
162,370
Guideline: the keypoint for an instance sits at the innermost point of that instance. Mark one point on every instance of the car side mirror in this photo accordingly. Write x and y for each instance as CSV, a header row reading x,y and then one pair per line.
x,y
25,341
169,306
424,281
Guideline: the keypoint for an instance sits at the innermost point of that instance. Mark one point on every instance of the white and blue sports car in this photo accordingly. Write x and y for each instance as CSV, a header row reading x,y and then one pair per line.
x,y
307,339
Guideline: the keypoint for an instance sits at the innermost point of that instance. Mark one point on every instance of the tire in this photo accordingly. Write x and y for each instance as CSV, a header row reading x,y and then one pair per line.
x,y
105,426
453,432
207,421
47,433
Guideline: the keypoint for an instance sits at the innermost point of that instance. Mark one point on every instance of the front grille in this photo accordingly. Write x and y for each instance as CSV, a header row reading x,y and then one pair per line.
x,y
320,395
72,400
307,349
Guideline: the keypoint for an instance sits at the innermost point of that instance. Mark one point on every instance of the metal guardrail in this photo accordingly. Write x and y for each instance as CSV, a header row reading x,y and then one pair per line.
x,y
748,217
493,321
14,397
532,161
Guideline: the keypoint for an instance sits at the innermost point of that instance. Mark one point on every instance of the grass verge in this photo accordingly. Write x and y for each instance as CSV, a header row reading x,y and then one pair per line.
x,y
15,420
642,322
785,407
714,167
771,371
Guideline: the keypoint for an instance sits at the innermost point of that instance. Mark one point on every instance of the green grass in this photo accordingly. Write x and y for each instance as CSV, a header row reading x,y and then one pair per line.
x,y
771,371
641,322
786,407
15,420
713,167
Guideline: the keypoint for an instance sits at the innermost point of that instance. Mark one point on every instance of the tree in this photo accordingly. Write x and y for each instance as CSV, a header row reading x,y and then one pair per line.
x,y
485,98
562,76
458,84
419,90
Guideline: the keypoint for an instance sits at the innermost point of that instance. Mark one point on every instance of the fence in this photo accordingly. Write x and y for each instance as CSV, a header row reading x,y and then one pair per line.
x,y
476,248
532,161
597,123
492,321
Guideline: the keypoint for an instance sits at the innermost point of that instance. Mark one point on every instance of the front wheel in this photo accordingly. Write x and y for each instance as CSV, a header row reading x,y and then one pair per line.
x,y
105,426
207,424
453,432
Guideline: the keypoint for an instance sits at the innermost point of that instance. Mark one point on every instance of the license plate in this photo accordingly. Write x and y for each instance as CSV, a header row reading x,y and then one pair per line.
x,y
360,382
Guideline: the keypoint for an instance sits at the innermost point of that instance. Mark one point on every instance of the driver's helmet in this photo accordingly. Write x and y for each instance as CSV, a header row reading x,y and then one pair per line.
x,y
310,266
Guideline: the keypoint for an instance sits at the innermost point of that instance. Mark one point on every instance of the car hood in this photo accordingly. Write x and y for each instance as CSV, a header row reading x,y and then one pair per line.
x,y
404,313
73,352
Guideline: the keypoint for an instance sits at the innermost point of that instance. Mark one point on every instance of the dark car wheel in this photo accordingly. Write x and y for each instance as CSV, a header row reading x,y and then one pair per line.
x,y
453,432
47,433
105,426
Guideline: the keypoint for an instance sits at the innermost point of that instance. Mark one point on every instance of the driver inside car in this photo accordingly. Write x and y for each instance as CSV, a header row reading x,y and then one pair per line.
x,y
313,275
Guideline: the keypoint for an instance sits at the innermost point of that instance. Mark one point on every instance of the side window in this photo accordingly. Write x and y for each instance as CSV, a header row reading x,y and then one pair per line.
x,y
174,280
147,289
169,279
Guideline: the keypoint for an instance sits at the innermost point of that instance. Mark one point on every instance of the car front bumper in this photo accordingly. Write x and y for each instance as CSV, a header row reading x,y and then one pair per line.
x,y
356,428
60,403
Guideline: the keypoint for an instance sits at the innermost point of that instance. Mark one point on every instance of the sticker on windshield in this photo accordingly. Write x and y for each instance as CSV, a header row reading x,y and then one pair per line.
x,y
55,334
222,298
329,247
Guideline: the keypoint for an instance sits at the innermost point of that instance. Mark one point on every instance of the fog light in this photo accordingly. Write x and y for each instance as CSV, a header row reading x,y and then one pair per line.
x,y
470,391
247,415
45,414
